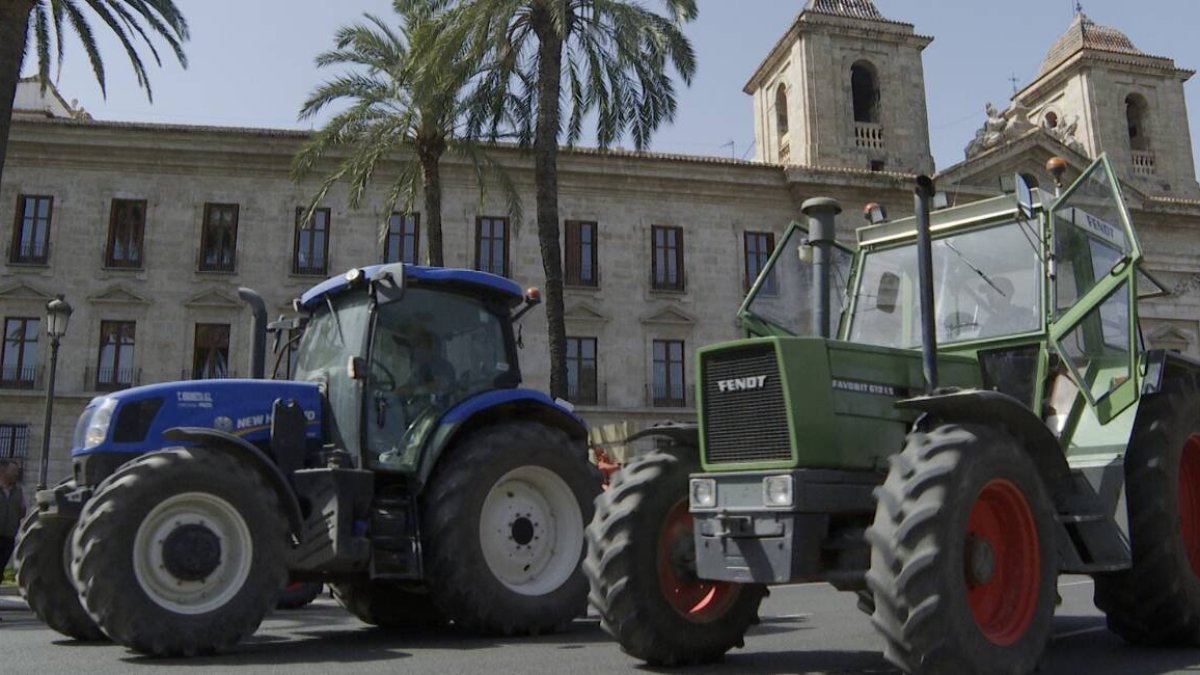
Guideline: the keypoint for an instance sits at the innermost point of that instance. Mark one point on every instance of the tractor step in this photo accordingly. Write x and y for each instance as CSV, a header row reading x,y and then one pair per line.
x,y
395,539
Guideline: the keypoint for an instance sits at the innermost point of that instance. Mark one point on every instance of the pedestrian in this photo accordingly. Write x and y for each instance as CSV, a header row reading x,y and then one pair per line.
x,y
12,508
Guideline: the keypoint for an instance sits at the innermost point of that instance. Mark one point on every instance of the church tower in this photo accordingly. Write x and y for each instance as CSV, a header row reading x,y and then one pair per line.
x,y
1100,93
843,88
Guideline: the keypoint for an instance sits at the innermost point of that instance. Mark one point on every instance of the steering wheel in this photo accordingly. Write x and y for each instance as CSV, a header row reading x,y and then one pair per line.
x,y
390,385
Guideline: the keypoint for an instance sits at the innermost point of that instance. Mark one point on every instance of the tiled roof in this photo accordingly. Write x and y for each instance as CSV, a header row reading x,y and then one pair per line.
x,y
860,9
1087,34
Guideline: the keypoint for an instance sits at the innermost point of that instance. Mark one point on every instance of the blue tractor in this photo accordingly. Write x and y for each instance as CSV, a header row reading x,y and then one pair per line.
x,y
401,464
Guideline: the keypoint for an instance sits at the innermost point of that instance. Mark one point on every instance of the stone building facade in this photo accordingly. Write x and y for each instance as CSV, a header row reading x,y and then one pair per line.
x,y
148,230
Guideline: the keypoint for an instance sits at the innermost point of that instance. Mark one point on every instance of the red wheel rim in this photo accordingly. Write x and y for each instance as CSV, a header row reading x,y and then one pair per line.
x,y
1189,501
1002,562
693,598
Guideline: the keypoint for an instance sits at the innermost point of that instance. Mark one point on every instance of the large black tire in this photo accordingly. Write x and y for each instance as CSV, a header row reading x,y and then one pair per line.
x,y
963,557
642,568
389,605
299,594
1157,601
181,552
503,519
42,561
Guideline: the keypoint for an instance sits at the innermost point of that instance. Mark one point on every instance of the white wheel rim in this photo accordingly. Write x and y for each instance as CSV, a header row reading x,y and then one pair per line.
x,y
531,531
223,583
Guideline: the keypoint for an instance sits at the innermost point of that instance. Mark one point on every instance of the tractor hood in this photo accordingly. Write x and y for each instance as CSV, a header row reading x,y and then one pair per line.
x,y
133,420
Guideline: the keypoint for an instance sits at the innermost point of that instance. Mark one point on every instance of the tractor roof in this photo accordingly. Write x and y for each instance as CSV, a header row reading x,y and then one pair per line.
x,y
468,280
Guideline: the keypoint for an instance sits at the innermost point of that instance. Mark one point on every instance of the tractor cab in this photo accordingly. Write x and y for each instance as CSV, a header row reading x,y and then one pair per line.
x,y
395,358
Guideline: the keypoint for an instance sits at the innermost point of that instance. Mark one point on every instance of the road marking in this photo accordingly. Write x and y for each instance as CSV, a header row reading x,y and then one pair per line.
x,y
804,615
1081,631
1075,583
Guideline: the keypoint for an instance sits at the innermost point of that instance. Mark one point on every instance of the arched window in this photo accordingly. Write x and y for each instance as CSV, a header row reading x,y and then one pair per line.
x,y
864,86
781,109
1137,118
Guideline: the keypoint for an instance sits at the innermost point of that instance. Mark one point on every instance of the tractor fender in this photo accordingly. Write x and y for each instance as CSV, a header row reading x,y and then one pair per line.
x,y
680,433
226,442
496,407
997,409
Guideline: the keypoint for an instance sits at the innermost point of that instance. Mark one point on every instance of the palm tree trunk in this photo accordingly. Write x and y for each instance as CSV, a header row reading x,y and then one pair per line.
x,y
545,172
432,185
14,29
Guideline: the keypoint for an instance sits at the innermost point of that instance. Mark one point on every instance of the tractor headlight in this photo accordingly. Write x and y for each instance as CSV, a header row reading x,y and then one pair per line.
x,y
703,493
778,490
97,429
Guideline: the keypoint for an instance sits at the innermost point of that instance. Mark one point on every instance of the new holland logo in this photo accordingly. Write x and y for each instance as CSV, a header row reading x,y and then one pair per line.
x,y
742,383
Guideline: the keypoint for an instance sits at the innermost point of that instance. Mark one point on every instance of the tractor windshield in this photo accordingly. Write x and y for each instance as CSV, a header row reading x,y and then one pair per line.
x,y
336,332
987,284
428,352
781,300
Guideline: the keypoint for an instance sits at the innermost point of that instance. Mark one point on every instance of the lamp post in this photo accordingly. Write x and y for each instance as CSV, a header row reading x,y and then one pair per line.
x,y
58,313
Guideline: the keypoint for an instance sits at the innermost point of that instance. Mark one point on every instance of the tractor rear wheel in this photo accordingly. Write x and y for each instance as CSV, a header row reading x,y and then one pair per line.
x,y
180,552
503,527
388,605
42,563
1157,601
641,563
963,562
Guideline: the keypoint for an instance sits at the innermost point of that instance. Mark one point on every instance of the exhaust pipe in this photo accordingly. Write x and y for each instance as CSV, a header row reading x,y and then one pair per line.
x,y
258,332
922,196
821,233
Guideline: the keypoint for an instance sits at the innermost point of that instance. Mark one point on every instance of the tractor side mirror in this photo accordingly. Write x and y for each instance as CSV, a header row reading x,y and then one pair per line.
x,y
1024,187
888,293
388,284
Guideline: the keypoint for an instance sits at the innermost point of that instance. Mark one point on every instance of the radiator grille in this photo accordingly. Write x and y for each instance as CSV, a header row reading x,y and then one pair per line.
x,y
744,423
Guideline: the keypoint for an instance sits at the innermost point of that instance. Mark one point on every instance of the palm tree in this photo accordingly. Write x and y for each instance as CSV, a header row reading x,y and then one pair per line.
x,y
405,94
612,57
130,20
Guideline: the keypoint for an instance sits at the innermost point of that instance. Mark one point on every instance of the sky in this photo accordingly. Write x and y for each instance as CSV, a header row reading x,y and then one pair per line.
x,y
251,62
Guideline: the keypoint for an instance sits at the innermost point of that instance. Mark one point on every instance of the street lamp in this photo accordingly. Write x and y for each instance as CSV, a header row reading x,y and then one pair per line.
x,y
58,313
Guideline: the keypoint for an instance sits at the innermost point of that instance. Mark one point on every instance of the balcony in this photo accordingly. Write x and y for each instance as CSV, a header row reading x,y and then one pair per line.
x,y
1143,163
660,397
216,264
868,136
309,270
111,379
29,253
189,374
29,377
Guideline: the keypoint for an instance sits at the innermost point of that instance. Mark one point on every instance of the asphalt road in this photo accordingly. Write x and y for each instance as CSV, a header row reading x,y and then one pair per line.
x,y
805,629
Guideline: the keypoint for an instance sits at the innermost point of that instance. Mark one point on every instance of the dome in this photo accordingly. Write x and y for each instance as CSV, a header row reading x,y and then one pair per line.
x,y
1087,34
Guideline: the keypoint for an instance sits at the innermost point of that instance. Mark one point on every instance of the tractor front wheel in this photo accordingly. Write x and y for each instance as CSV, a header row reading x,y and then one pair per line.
x,y
42,563
180,552
1157,601
963,562
642,566
503,529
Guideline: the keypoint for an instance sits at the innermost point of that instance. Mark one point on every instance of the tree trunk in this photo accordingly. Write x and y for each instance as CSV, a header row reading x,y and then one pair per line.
x,y
432,185
14,29
545,172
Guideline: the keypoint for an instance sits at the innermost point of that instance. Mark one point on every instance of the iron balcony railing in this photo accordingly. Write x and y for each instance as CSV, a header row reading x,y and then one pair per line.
x,y
111,379
29,377
29,253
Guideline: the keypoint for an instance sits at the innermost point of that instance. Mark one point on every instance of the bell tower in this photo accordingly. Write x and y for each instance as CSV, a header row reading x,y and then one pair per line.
x,y
843,88
1099,93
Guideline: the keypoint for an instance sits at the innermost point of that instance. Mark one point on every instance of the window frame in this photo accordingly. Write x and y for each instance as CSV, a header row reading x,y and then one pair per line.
x,y
680,284
401,238
199,364
19,220
323,270
580,361
16,438
574,249
479,220
114,383
206,238
763,256
668,401
138,240
19,382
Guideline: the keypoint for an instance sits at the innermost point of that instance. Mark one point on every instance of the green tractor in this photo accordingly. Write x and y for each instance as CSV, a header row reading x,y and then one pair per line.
x,y
986,419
